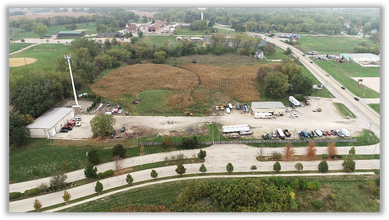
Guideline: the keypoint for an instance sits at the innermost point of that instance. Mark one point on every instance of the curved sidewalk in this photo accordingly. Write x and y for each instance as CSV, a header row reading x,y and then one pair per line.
x,y
217,153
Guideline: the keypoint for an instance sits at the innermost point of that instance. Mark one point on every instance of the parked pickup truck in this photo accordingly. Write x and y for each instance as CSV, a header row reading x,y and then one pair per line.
x,y
286,132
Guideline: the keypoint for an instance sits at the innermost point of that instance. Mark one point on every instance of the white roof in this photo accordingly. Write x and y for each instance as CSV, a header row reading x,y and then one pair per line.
x,y
235,128
267,105
50,118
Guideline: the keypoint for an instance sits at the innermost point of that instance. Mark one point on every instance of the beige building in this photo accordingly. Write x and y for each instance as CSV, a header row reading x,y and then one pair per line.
x,y
50,123
268,107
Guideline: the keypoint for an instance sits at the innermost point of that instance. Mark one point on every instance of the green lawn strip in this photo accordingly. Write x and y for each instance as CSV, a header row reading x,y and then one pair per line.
x,y
166,193
17,46
318,92
344,110
219,30
190,32
332,45
319,157
375,107
278,55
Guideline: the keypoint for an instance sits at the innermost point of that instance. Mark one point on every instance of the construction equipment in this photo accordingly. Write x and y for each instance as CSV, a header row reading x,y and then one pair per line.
x,y
188,113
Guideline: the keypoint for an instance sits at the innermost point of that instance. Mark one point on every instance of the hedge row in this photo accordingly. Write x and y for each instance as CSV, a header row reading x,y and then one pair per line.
x,y
105,174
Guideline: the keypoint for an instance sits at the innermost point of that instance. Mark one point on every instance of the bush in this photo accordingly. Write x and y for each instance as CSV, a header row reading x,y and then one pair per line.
x,y
317,203
299,166
276,155
189,143
348,164
94,156
119,150
277,167
31,192
324,156
43,187
105,174
90,172
194,61
15,195
253,167
313,185
323,166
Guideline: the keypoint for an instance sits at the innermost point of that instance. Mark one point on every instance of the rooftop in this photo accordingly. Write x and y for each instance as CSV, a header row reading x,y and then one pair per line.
x,y
267,105
50,118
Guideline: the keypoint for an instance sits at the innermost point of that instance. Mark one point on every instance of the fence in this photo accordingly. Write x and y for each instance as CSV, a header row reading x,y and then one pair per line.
x,y
256,142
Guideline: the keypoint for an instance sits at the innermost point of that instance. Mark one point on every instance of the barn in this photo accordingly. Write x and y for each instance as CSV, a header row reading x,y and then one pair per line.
x,y
268,107
50,123
70,34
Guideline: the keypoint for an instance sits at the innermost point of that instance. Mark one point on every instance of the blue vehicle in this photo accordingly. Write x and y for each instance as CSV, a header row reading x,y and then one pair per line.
x,y
305,134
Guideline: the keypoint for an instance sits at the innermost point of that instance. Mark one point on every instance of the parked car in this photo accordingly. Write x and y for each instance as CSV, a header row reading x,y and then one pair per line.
x,y
323,132
237,106
268,136
76,119
69,127
122,129
78,124
311,61
310,135
295,115
300,134
72,123
113,133
217,108
64,130
127,113
230,105
305,134
120,111
333,132
340,133
264,136
221,108
328,133
313,134
286,132
273,133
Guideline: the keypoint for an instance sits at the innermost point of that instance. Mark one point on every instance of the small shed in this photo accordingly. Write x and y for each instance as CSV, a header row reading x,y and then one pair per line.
x,y
51,122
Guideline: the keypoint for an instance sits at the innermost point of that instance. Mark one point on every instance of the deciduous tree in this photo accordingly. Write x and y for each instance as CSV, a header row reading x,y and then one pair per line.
x,y
102,124
332,151
270,48
276,84
348,164
94,156
167,143
119,150
37,205
289,151
58,180
64,167
160,57
311,150
66,196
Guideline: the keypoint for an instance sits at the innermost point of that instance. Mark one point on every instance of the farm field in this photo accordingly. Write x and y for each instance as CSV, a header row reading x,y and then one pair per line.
x,y
332,45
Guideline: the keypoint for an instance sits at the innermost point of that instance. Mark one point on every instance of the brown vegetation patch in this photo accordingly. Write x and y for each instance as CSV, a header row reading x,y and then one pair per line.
x,y
140,77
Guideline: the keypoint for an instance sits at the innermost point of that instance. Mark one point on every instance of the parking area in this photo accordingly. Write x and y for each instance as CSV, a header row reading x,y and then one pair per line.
x,y
307,120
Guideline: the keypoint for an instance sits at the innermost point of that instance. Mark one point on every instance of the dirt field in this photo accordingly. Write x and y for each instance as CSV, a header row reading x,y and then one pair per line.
x,y
14,62
371,82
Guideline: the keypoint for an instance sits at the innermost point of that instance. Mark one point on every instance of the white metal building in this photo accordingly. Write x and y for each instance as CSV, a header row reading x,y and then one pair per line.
x,y
268,107
48,124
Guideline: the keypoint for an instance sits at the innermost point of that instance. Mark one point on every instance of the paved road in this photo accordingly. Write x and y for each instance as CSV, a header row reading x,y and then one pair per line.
x,y
240,155
365,115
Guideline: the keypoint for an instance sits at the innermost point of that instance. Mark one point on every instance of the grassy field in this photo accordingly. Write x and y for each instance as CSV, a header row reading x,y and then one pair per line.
x,y
344,110
159,41
151,101
375,107
191,32
278,55
89,28
46,55
17,46
342,73
336,195
332,45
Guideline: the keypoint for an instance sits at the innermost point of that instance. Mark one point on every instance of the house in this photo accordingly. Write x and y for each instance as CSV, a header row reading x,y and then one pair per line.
x,y
109,35
143,27
346,58
268,107
258,54
51,122
132,28
70,34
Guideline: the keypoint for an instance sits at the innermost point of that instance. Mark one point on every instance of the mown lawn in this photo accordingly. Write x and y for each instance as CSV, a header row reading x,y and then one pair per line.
x,y
191,32
332,45
376,107
278,55
17,46
46,55
159,40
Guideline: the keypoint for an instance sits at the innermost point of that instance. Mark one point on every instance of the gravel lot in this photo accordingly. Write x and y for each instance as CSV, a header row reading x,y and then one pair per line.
x,y
328,119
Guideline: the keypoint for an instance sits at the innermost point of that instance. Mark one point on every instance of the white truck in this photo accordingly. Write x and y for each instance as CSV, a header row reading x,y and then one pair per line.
x,y
294,101
345,132
262,115
280,133
228,110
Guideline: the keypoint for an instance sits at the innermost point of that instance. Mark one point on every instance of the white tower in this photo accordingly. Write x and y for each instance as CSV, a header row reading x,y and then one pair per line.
x,y
76,107
202,9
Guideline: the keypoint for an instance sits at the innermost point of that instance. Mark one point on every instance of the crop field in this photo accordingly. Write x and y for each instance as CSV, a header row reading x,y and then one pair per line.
x,y
192,86
332,45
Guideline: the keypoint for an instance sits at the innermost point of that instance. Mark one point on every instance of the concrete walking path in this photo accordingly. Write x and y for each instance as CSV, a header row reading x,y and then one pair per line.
x,y
241,156
217,153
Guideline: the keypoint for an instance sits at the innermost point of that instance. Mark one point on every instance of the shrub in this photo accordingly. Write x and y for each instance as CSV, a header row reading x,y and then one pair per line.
x,y
194,61
276,155
31,192
90,172
277,167
299,166
324,156
94,156
253,167
167,143
202,154
15,195
317,203
105,174
188,143
129,179
229,168
352,151
377,181
35,171
323,166
58,180
118,150
313,185
43,187
348,164
64,167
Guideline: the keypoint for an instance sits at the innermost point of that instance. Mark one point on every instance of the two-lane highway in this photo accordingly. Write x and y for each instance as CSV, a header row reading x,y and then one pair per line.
x,y
364,113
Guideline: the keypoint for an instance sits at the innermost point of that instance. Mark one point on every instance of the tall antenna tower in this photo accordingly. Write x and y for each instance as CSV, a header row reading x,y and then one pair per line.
x,y
68,57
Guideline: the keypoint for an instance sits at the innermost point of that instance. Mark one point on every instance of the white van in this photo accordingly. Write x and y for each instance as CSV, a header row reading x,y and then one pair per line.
x,y
108,113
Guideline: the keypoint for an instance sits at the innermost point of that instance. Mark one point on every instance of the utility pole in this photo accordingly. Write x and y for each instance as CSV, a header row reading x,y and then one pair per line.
x,y
68,57
25,63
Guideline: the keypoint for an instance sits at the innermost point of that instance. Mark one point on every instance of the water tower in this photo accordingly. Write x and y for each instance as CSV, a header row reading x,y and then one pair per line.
x,y
201,10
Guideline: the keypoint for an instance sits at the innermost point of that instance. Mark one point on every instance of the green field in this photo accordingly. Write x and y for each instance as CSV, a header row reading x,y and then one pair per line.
x,y
343,71
225,31
151,101
336,195
278,55
191,32
17,46
89,28
46,55
332,45
375,107
159,41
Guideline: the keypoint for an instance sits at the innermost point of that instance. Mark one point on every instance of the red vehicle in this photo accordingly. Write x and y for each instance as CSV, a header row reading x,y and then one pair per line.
x,y
69,127
328,133
116,110
73,123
